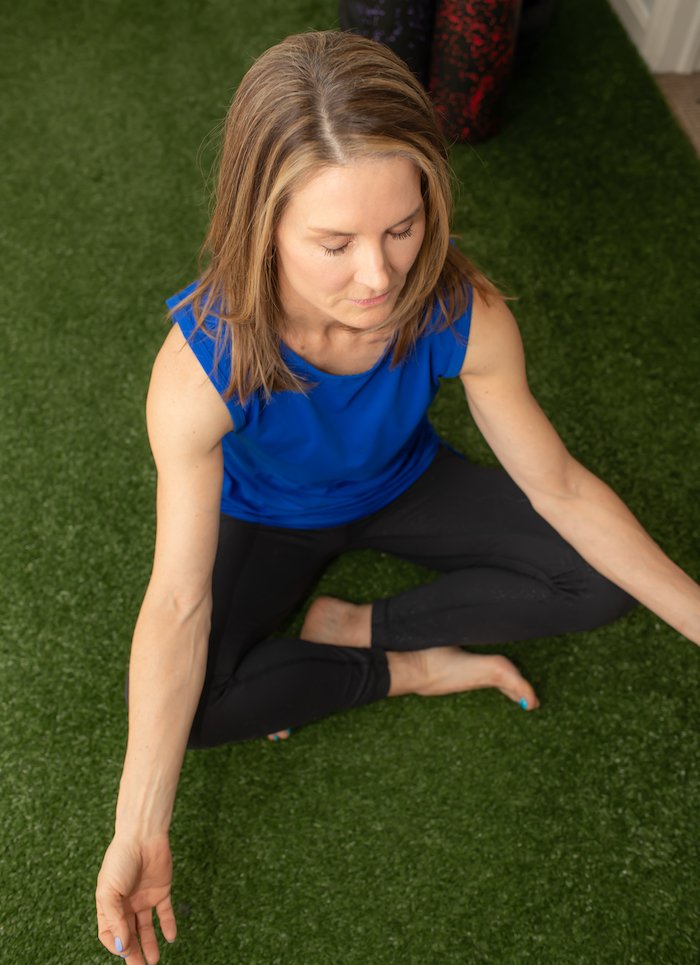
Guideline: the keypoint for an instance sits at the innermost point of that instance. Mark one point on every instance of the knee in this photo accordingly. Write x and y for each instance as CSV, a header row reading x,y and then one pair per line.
x,y
198,737
195,742
604,601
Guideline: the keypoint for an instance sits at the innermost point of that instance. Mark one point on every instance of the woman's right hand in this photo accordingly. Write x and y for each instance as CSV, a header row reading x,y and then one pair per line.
x,y
134,879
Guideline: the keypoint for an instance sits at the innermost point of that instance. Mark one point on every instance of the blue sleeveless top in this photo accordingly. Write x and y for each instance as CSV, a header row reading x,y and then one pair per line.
x,y
349,447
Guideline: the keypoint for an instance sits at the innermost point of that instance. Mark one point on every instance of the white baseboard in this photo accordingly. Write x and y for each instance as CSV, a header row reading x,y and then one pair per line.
x,y
666,32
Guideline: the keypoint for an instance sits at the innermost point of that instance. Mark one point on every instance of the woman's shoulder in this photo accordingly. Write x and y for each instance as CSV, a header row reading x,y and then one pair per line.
x,y
184,310
176,361
198,318
181,392
494,338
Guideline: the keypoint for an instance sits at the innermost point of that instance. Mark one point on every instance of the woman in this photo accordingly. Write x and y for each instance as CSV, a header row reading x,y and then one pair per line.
x,y
287,417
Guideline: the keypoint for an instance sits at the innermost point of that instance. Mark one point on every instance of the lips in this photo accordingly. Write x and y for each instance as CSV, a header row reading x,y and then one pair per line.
x,y
369,302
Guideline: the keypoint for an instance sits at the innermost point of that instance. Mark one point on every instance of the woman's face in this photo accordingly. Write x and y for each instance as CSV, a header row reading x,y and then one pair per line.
x,y
346,242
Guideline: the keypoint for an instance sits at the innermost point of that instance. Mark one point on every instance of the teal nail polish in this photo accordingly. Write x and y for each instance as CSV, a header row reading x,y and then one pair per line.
x,y
275,737
523,704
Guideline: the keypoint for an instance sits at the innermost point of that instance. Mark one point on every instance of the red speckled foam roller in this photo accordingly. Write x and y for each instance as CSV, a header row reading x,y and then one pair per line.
x,y
472,56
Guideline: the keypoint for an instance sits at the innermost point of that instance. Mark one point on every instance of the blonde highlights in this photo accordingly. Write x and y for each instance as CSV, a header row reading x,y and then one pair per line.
x,y
315,100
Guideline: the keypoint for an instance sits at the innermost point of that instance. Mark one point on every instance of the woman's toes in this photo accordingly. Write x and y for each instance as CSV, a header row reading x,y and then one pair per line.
x,y
280,735
512,683
527,702
523,695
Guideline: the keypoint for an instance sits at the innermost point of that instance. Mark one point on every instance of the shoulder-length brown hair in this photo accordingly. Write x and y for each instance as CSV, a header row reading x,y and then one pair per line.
x,y
313,100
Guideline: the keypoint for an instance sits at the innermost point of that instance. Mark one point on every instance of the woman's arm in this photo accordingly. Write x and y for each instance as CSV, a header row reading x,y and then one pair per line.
x,y
186,421
583,509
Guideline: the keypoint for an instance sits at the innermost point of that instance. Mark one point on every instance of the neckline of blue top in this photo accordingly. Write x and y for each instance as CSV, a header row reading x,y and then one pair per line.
x,y
321,373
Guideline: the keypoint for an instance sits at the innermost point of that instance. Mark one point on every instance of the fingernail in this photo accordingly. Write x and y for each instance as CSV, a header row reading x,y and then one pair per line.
x,y
118,944
275,737
523,704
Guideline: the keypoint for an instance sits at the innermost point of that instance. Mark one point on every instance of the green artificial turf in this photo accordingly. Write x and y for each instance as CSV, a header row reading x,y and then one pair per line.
x,y
452,830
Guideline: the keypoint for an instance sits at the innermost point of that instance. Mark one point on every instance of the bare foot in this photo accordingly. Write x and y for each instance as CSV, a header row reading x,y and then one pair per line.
x,y
451,670
333,621
430,672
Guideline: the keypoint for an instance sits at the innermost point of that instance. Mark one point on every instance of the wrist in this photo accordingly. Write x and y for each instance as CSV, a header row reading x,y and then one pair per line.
x,y
143,812
137,828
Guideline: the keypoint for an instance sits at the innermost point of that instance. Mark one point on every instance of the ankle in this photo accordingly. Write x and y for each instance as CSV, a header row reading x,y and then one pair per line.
x,y
407,672
360,626
333,621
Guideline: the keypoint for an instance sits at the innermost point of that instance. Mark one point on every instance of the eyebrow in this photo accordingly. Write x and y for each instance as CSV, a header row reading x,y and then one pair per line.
x,y
332,233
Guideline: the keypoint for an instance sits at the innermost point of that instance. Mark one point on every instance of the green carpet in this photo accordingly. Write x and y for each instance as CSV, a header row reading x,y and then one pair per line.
x,y
452,830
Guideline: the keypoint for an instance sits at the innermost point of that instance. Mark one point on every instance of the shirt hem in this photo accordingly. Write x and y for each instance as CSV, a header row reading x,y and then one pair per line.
x,y
373,506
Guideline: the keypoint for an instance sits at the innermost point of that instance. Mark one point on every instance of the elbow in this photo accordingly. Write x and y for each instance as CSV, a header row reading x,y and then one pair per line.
x,y
179,604
559,491
551,505
185,607
556,507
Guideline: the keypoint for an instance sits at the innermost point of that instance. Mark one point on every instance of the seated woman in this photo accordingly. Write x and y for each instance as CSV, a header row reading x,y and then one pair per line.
x,y
287,416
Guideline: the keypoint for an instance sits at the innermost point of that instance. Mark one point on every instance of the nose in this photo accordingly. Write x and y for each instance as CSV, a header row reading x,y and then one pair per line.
x,y
373,269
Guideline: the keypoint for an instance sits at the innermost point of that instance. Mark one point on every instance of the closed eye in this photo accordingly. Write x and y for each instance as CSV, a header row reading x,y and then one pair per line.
x,y
335,251
401,236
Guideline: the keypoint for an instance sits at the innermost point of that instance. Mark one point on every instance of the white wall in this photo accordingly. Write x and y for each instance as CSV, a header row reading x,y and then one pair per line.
x,y
666,32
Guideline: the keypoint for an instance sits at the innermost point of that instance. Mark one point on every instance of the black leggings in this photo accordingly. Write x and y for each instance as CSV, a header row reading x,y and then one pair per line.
x,y
507,575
